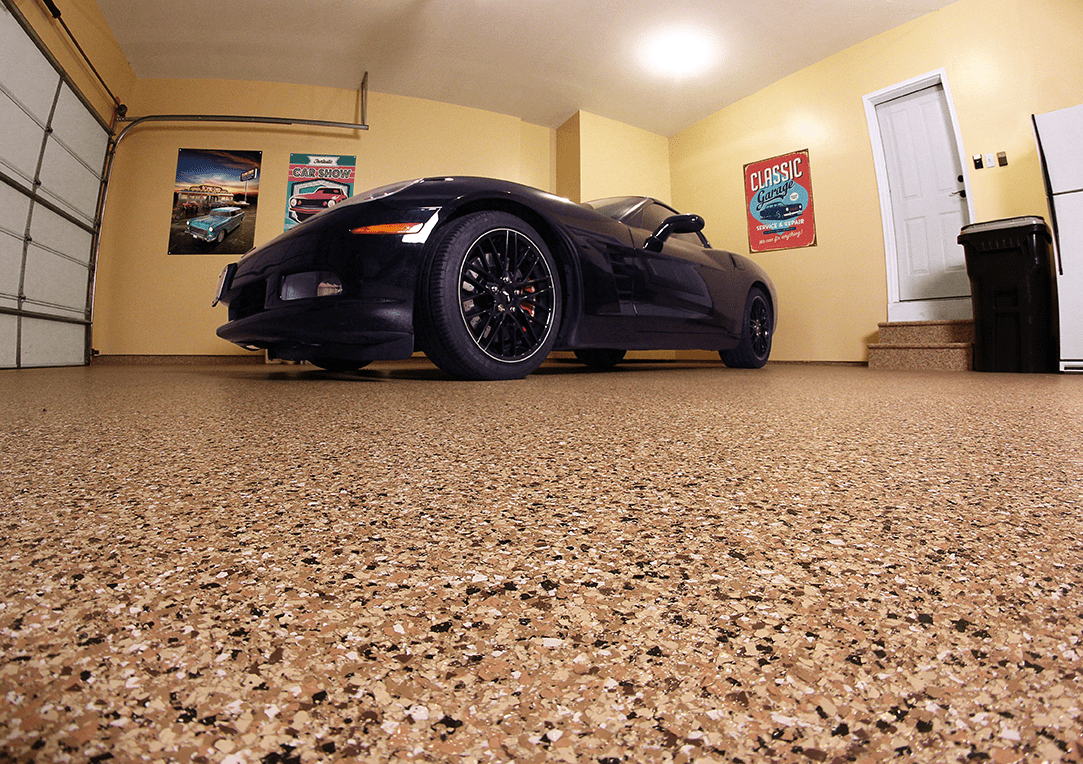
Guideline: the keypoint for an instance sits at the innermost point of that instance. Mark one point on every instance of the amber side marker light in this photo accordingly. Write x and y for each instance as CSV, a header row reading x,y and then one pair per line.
x,y
391,228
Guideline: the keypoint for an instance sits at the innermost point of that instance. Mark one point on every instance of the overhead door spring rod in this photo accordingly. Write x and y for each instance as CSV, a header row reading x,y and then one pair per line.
x,y
121,109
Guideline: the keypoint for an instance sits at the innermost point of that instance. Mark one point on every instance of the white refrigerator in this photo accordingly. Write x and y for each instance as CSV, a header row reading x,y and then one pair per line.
x,y
1060,147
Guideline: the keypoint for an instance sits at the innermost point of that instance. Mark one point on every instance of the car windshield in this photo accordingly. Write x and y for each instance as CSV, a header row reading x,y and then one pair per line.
x,y
615,207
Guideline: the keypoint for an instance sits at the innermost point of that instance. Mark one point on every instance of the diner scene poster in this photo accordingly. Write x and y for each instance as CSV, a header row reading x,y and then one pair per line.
x,y
215,198
778,203
317,182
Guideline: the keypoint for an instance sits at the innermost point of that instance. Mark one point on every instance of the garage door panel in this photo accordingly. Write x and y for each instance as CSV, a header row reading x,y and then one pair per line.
x,y
52,154
28,77
14,208
9,337
75,128
66,182
52,343
54,284
21,144
58,234
11,264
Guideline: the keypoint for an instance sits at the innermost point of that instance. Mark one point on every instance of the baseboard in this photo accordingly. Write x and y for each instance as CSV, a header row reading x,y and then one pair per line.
x,y
174,360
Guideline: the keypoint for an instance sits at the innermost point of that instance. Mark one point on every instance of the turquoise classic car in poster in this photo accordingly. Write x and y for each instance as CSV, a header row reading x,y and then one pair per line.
x,y
778,203
317,182
215,197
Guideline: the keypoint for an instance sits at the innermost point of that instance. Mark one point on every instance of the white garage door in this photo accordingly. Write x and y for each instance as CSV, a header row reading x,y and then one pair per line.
x,y
52,155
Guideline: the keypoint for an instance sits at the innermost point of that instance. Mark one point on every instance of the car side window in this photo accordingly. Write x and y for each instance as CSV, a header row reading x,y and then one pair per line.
x,y
655,214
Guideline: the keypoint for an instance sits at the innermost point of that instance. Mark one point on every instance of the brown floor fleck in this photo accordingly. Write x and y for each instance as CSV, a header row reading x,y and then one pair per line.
x,y
669,562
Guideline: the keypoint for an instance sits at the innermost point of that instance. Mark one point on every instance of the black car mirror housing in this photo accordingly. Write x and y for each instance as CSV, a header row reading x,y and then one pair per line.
x,y
671,225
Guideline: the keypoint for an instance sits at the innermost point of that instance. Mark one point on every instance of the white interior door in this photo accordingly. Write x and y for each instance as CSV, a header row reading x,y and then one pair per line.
x,y
928,205
918,155
52,155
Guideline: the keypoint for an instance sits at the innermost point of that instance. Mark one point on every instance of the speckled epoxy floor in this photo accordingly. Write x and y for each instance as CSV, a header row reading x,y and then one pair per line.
x,y
671,562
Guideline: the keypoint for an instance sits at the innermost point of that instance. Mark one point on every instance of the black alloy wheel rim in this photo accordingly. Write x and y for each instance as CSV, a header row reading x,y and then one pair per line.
x,y
760,327
506,295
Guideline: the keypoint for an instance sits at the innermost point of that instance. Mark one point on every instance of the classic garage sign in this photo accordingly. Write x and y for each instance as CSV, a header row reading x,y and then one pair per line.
x,y
778,200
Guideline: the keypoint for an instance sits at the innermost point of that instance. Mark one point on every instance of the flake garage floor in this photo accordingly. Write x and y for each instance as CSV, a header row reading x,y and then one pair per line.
x,y
670,562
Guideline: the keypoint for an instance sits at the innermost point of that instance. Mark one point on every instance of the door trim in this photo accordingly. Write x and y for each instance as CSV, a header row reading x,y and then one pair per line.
x,y
913,310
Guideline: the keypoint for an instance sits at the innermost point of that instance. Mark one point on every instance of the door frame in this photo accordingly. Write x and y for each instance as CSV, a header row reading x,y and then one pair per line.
x,y
943,309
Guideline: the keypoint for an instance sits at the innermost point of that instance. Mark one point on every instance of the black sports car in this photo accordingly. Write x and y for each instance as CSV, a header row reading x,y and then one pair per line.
x,y
487,277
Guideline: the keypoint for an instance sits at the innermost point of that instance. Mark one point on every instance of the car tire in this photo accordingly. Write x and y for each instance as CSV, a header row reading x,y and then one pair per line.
x,y
600,358
757,328
338,364
489,298
220,237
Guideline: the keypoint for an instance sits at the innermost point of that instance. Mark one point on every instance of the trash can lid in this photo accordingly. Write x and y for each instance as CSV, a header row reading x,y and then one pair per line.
x,y
1023,223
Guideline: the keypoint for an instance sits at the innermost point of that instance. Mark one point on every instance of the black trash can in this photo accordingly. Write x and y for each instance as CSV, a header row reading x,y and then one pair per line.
x,y
1013,287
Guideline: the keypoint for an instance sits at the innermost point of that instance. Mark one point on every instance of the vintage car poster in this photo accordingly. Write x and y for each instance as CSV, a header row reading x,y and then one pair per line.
x,y
316,182
215,197
778,201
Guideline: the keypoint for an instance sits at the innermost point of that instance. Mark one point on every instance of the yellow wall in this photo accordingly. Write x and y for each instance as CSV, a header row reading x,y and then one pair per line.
x,y
599,157
569,160
148,302
1004,60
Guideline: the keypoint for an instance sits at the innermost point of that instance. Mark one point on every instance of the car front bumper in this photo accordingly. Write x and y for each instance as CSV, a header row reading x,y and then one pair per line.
x,y
333,327
326,290
201,233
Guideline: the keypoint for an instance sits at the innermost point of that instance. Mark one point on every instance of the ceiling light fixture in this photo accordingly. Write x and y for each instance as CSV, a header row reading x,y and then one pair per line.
x,y
679,52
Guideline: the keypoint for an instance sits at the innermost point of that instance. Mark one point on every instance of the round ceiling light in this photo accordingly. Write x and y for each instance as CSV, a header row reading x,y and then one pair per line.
x,y
679,52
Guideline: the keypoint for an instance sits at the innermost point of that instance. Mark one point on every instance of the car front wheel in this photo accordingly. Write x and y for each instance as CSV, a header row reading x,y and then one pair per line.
x,y
489,299
757,327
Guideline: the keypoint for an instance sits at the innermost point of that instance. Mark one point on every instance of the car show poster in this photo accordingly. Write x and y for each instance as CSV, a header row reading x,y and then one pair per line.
x,y
215,197
317,182
778,200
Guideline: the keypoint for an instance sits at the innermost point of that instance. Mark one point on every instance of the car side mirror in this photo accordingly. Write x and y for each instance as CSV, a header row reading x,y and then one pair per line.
x,y
671,225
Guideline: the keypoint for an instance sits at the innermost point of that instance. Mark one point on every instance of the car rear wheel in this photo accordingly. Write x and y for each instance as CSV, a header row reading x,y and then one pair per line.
x,y
489,299
757,327
600,358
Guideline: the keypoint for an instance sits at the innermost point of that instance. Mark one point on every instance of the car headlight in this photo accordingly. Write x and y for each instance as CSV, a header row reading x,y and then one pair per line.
x,y
304,286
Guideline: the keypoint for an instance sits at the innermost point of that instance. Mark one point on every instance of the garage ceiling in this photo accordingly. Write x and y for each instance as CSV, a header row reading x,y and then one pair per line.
x,y
540,60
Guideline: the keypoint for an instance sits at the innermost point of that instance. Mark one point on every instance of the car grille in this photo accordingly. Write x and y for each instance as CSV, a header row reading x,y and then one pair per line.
x,y
250,301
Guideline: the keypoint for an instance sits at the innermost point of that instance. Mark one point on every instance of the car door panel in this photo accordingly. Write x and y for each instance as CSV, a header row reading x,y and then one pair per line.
x,y
675,287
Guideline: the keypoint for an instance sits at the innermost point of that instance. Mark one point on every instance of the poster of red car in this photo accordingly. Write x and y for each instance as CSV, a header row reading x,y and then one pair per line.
x,y
778,201
317,182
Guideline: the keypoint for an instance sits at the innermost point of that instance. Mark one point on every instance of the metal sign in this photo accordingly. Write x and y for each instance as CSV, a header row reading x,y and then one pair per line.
x,y
778,203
